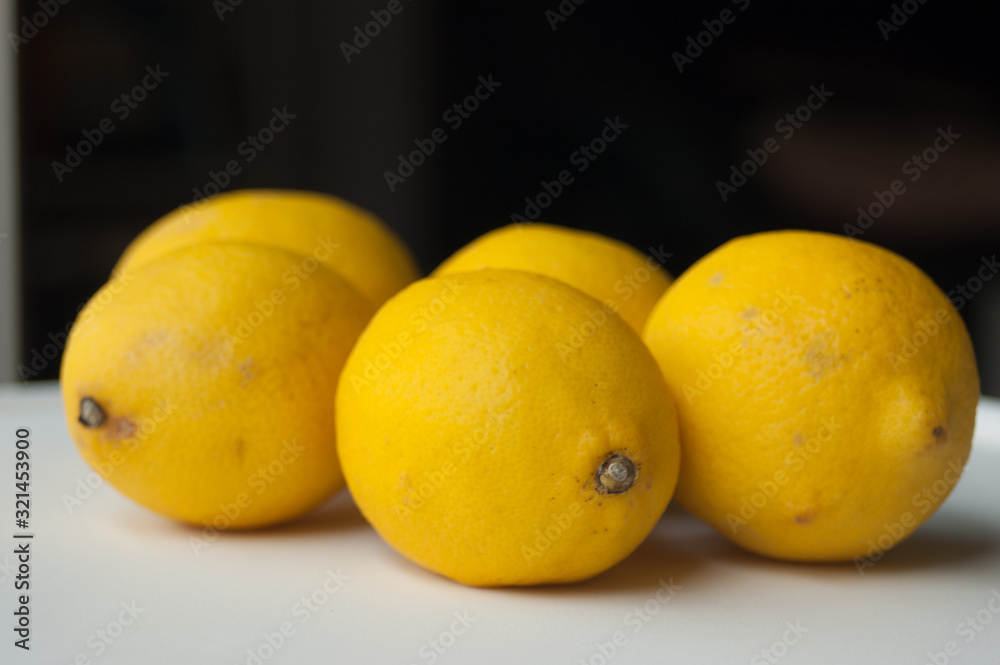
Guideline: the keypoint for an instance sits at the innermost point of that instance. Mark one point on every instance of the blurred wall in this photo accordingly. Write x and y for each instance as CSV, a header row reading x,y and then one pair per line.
x,y
10,306
185,88
849,92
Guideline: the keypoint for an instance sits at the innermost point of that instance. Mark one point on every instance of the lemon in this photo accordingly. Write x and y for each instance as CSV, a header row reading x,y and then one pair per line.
x,y
202,385
625,280
328,230
500,428
826,391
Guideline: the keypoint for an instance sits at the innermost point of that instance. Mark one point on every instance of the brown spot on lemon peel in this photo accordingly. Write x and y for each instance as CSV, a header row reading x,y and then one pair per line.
x,y
940,435
820,356
91,413
240,450
616,475
805,517
248,369
121,429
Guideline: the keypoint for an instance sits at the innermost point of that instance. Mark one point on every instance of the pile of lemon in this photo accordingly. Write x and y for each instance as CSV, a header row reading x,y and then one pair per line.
x,y
525,414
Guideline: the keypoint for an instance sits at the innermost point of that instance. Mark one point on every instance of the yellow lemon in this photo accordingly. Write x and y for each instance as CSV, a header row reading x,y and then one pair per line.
x,y
484,445
625,280
202,386
826,391
325,229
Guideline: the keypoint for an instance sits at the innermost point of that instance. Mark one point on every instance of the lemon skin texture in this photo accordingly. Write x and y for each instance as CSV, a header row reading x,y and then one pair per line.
x,y
627,281
476,412
826,390
201,385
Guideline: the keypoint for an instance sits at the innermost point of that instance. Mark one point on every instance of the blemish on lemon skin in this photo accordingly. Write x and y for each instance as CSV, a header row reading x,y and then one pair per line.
x,y
798,439
114,429
248,369
149,341
119,429
717,278
749,313
122,428
240,450
940,438
805,516
821,357
214,354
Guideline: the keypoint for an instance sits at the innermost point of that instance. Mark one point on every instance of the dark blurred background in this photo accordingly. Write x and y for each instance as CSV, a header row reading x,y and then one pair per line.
x,y
564,70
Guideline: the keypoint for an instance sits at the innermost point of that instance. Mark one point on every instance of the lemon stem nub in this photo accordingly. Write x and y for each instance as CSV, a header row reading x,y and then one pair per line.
x,y
616,475
91,413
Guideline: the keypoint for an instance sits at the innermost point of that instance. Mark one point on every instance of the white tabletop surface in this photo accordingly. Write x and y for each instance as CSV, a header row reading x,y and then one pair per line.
x,y
933,599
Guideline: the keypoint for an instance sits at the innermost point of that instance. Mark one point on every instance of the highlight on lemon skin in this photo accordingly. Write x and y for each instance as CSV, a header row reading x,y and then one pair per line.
x,y
622,278
808,417
483,450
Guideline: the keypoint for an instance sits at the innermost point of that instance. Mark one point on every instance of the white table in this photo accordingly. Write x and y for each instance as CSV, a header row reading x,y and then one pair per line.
x,y
369,605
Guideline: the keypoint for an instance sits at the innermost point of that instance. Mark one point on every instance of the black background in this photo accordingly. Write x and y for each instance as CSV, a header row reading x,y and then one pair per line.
x,y
655,185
